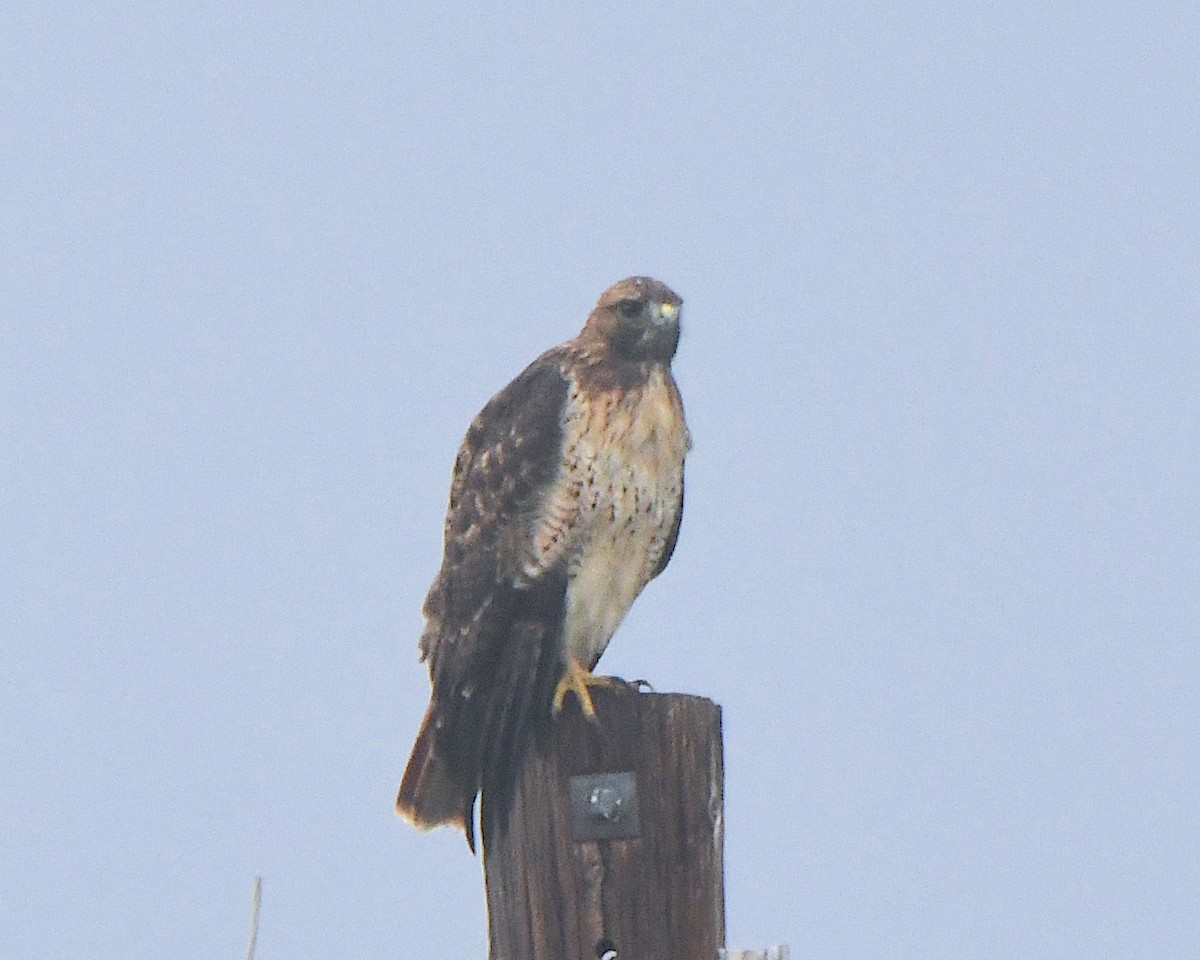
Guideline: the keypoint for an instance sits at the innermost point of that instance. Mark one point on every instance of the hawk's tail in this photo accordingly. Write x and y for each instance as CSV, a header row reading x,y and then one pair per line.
x,y
475,742
430,795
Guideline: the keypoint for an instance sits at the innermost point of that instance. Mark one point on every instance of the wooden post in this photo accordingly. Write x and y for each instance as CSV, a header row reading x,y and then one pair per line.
x,y
611,875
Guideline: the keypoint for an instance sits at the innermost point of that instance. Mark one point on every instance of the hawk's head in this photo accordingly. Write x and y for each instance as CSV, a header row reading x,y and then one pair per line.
x,y
638,319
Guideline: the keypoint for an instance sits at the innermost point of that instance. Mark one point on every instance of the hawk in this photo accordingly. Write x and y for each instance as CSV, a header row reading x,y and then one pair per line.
x,y
565,502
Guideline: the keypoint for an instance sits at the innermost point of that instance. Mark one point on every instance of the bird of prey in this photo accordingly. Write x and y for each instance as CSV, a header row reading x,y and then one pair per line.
x,y
565,502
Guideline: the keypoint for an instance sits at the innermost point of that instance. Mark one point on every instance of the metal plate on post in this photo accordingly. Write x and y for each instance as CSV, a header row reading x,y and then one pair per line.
x,y
604,806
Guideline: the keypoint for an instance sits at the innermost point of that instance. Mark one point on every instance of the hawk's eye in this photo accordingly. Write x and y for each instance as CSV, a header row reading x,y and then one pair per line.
x,y
629,309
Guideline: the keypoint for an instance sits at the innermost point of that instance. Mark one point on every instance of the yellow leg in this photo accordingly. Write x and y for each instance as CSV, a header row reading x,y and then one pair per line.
x,y
576,680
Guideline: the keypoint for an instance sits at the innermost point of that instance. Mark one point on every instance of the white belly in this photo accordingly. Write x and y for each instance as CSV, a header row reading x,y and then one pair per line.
x,y
608,577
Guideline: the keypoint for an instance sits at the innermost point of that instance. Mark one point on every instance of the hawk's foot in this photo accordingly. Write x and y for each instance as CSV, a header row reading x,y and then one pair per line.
x,y
576,680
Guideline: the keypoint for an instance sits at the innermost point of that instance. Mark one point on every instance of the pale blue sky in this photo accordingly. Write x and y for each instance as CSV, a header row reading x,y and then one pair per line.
x,y
261,263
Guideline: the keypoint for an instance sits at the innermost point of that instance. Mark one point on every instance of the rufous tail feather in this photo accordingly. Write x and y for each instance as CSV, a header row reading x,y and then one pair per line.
x,y
430,796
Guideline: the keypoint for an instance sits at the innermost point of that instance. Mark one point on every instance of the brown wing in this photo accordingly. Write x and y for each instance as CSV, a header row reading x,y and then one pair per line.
x,y
494,613
506,468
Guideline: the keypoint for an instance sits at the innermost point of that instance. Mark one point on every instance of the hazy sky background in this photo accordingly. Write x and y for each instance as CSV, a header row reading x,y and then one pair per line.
x,y
261,264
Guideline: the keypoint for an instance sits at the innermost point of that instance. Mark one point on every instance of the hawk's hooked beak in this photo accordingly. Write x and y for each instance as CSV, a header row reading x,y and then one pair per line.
x,y
660,337
666,313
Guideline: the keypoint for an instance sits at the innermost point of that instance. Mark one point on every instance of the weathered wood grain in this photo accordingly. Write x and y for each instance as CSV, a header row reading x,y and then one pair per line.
x,y
657,895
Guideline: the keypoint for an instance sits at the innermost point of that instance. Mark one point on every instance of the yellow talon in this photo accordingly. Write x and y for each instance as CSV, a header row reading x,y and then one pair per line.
x,y
576,680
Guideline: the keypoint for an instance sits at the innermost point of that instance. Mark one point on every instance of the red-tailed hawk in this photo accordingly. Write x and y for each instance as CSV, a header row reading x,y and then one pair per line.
x,y
566,501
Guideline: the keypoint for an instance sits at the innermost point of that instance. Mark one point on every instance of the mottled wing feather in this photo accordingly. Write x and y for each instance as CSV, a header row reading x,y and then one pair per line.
x,y
508,462
494,613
